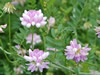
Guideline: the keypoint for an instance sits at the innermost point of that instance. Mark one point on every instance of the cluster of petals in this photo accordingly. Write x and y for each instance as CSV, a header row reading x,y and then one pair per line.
x,y
9,8
33,18
18,70
76,52
97,29
16,2
36,59
2,27
20,50
51,22
36,38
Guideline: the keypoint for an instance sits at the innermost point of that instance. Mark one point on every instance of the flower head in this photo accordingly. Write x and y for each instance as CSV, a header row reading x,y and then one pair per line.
x,y
36,58
36,38
33,18
20,50
51,22
16,2
97,29
76,52
9,7
18,70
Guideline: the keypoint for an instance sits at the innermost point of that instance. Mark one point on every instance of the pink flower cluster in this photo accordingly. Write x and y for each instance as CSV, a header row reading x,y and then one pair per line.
x,y
36,38
18,70
36,58
76,52
33,18
16,2
20,51
51,22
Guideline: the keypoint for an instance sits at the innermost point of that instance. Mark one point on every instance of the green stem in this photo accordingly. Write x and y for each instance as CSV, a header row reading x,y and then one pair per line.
x,y
55,54
4,52
32,38
62,66
43,42
9,33
43,36
1,15
41,73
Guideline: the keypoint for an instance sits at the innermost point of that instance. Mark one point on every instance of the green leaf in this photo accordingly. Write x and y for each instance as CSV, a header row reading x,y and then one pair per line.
x,y
53,33
59,44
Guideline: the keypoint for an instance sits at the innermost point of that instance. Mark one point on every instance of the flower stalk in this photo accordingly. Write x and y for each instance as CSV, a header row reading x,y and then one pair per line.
x,y
9,33
32,37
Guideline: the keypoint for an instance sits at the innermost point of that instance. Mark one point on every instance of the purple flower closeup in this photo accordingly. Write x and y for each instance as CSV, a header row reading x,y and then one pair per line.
x,y
76,52
33,18
36,58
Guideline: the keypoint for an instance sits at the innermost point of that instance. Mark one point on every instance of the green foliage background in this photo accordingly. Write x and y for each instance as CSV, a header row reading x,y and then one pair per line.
x,y
70,15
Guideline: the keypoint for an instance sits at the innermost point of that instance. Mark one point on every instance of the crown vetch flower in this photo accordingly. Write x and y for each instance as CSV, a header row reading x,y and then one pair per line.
x,y
18,70
76,52
16,2
20,50
36,38
9,7
33,18
36,58
51,22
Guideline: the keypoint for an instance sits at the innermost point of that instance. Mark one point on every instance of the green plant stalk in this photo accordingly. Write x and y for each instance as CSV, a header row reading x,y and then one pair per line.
x,y
43,42
4,52
32,37
43,36
61,66
41,73
1,14
9,33
55,53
